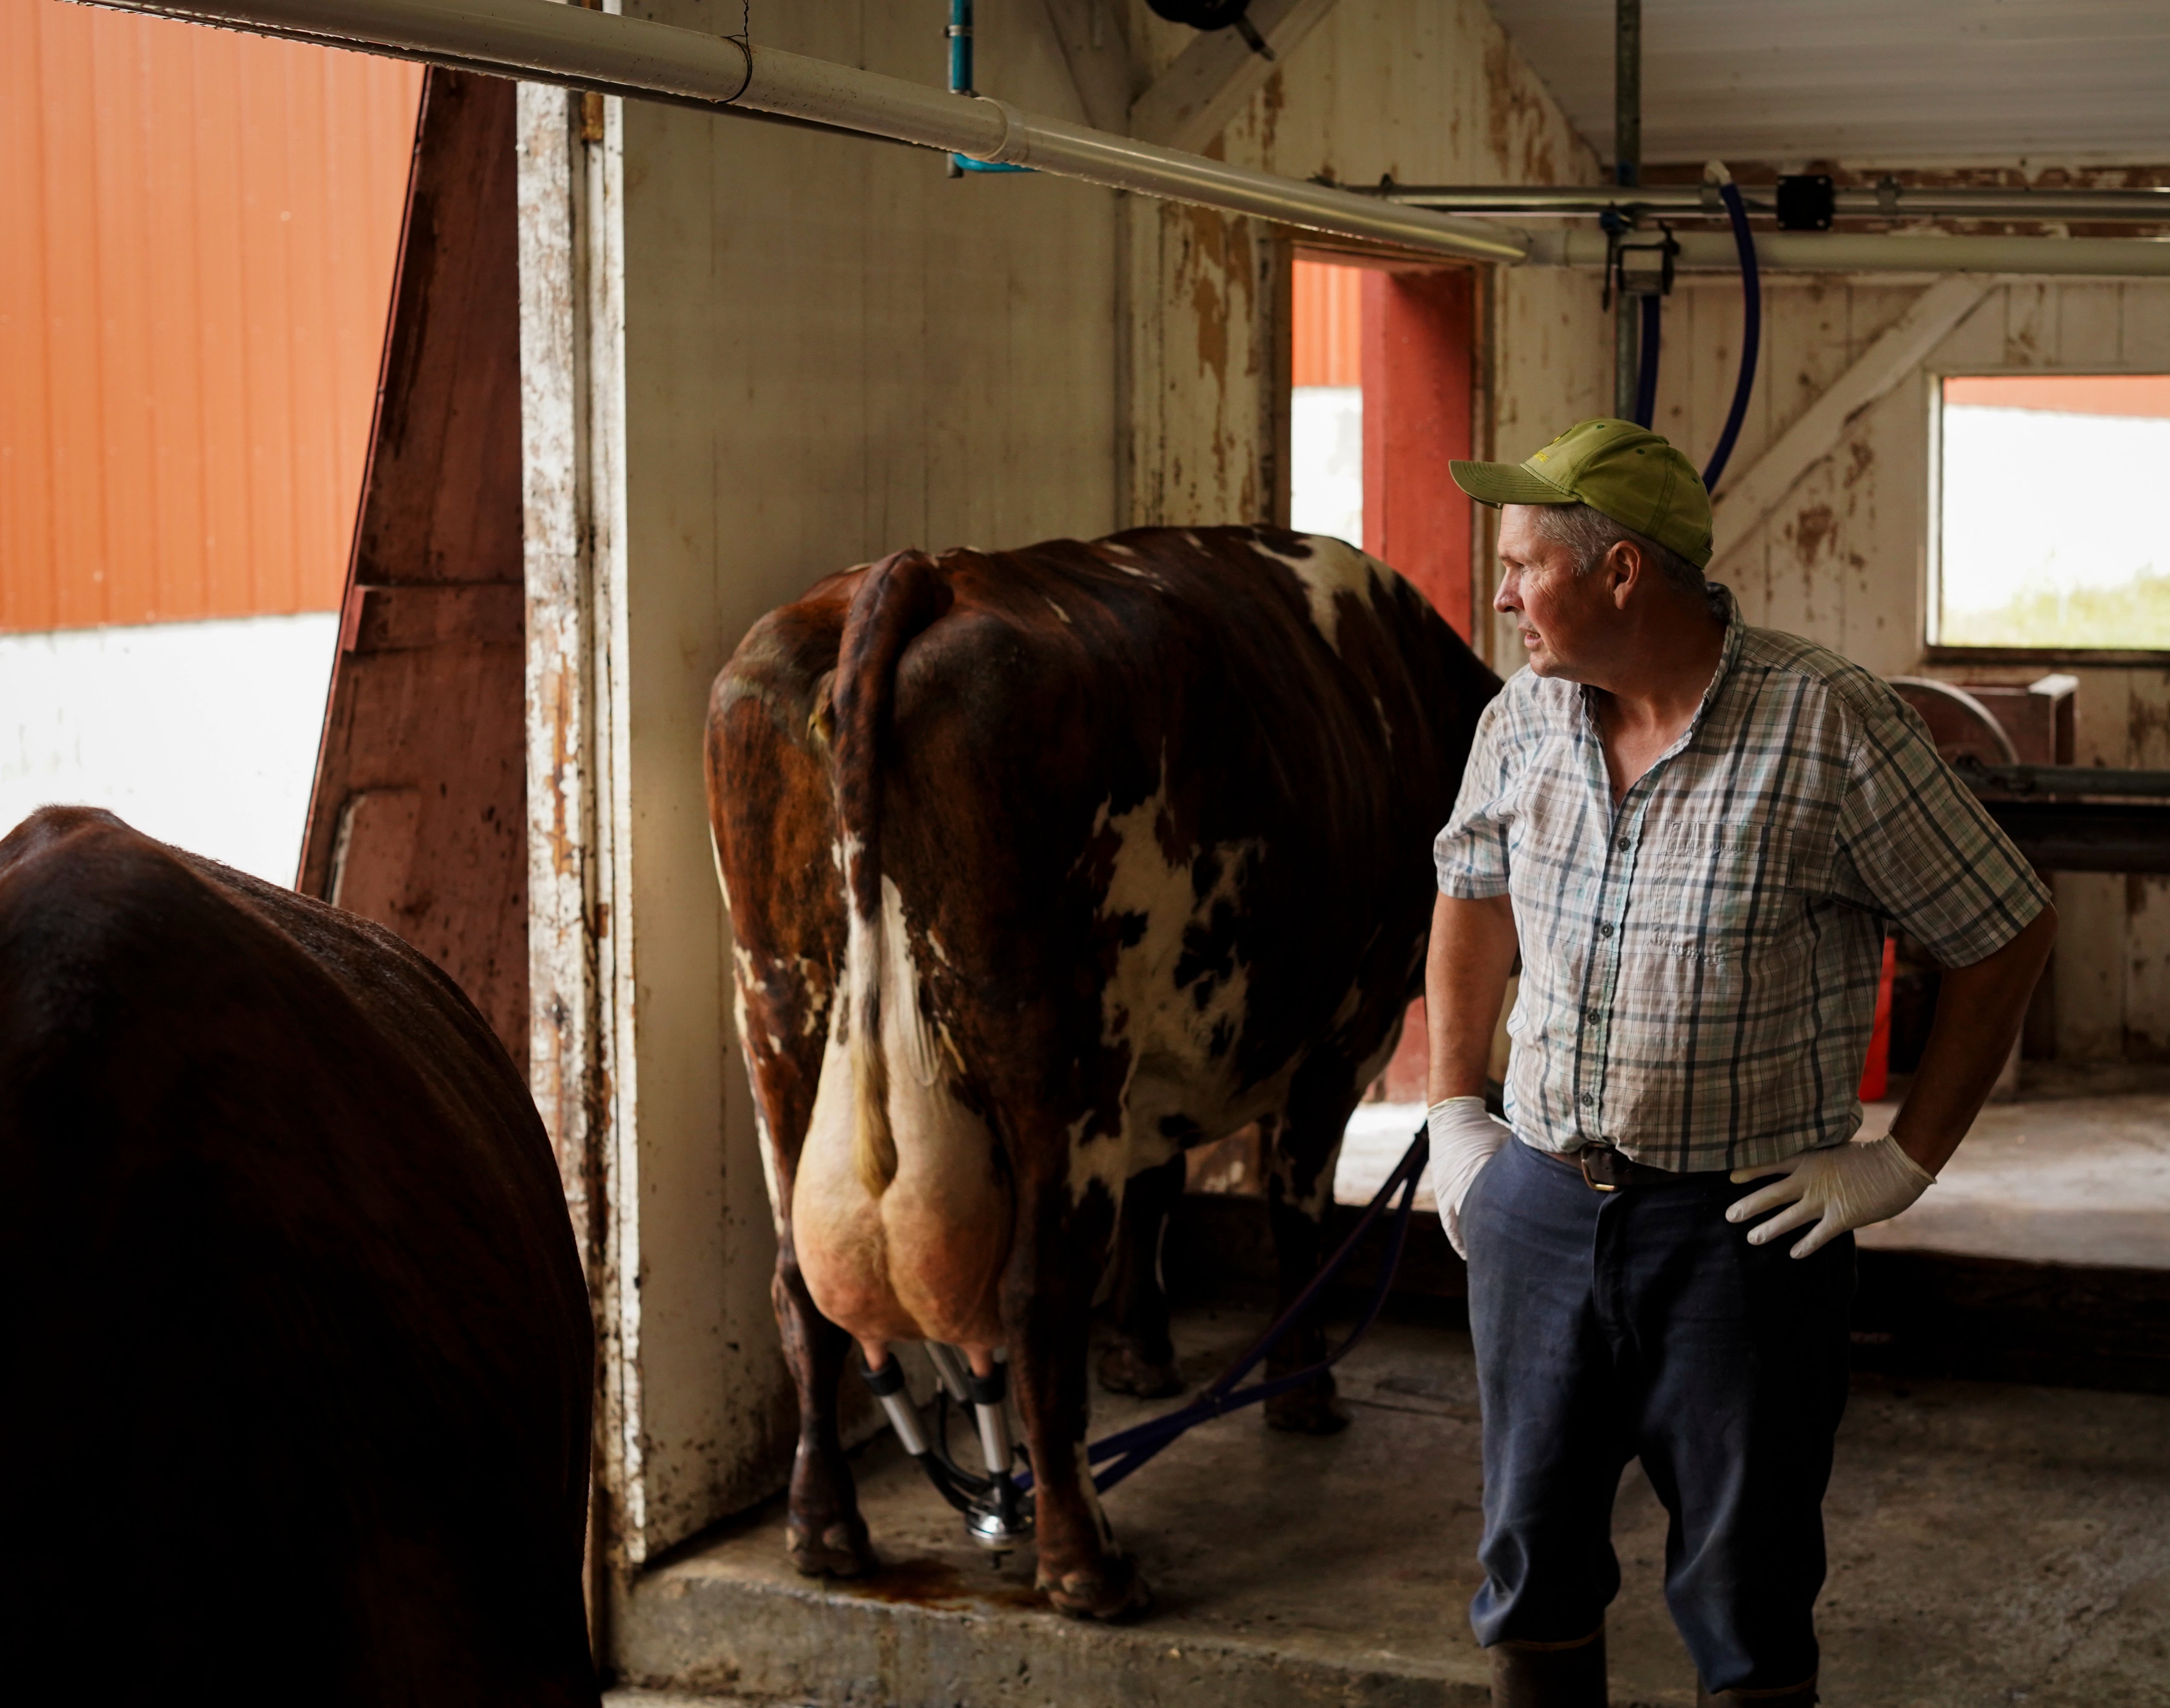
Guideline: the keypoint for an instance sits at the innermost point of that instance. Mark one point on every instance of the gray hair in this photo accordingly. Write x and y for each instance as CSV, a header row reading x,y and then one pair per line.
x,y
1590,534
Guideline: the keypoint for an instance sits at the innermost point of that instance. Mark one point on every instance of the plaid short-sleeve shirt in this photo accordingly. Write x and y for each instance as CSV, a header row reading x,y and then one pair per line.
x,y
1700,961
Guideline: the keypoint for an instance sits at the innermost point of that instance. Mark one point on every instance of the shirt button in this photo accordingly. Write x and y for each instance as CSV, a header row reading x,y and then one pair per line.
x,y
1605,929
1585,1100
1623,845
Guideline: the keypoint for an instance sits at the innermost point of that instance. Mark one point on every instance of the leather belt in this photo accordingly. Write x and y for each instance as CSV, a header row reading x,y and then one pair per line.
x,y
1604,1169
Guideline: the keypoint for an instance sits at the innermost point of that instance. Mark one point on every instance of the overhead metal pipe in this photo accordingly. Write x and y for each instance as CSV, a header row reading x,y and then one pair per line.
x,y
1848,252
538,41
1692,201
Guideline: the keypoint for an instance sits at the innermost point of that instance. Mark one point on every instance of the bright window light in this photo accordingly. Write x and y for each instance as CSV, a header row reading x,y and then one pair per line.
x,y
1326,403
200,733
2052,534
1326,469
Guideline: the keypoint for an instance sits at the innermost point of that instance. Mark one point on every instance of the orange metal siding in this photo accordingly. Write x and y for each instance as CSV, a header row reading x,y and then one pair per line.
x,y
1326,314
2077,394
200,227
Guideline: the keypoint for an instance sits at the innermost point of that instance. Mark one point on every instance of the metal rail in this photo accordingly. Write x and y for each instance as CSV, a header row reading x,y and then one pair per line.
x,y
540,42
1852,251
2149,207
2087,835
2026,781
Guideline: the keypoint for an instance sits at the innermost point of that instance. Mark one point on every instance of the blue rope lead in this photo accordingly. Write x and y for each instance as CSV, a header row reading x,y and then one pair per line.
x,y
1646,376
1134,1446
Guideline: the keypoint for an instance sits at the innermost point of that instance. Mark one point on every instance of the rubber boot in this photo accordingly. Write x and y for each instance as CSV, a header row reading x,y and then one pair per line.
x,y
1791,1696
1549,1675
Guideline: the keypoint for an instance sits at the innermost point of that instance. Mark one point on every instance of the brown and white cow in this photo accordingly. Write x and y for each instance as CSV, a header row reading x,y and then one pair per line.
x,y
1043,865
301,1349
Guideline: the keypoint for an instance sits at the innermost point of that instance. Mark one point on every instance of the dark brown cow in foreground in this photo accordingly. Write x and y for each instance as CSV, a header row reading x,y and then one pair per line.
x,y
300,1347
1043,865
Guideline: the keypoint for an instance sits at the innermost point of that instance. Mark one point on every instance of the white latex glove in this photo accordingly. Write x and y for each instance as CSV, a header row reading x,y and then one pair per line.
x,y
1847,1186
1463,1139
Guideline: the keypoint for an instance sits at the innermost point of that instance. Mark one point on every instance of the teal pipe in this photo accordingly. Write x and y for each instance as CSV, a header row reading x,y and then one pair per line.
x,y
960,83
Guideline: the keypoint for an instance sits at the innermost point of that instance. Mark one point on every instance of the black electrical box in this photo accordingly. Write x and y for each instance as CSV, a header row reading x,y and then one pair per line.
x,y
1805,202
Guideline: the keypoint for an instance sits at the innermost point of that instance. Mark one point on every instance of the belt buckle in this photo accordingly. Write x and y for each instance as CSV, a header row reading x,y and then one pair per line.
x,y
1582,1159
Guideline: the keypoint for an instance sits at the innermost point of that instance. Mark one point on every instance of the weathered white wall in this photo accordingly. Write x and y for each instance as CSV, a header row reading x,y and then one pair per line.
x,y
1427,91
754,355
826,349
1845,559
778,354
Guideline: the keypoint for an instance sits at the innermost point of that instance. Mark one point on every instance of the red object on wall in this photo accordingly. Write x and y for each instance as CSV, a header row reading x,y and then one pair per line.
x,y
200,227
1876,1073
1419,335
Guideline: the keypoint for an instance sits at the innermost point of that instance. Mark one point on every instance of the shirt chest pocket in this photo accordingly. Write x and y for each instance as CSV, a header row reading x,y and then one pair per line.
x,y
1707,901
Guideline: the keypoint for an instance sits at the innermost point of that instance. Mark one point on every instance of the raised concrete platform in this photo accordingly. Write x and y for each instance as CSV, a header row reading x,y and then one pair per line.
x,y
1988,1545
2048,1179
2077,1172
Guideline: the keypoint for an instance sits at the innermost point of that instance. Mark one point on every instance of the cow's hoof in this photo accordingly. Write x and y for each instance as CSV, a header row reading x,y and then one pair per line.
x,y
1116,1591
1124,1370
841,1550
1307,1411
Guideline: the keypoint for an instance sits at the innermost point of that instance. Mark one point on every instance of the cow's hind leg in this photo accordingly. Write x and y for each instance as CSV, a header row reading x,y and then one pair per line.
x,y
1056,1261
823,1530
1140,1358
1300,1151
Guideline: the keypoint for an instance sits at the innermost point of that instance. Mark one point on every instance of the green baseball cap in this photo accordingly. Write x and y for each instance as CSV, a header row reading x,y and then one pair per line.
x,y
1628,472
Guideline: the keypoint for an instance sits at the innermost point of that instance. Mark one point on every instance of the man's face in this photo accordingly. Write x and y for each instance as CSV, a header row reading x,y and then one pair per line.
x,y
1565,619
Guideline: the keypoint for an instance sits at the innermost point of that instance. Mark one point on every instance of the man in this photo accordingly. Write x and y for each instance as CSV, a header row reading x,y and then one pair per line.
x,y
1694,833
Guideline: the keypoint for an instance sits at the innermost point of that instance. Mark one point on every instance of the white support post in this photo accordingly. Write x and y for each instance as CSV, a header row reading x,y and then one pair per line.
x,y
579,1067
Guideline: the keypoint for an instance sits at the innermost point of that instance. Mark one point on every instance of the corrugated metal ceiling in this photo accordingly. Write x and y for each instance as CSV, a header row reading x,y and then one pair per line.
x,y
1869,82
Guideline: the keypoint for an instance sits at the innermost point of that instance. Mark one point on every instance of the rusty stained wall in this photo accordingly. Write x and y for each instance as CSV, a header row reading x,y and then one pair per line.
x,y
1430,91
200,228
805,352
1844,559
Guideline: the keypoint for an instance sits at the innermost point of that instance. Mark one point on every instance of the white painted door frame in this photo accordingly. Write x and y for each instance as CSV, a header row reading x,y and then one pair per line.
x,y
581,1068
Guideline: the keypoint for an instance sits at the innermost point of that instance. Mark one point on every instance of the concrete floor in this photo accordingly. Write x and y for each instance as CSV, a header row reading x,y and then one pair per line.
x,y
1989,1544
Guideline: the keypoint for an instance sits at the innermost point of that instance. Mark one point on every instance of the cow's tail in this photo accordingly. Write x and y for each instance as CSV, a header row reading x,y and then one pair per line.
x,y
899,597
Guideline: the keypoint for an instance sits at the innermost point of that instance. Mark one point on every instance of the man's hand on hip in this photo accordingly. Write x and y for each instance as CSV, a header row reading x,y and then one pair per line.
x,y
1847,1186
1464,1138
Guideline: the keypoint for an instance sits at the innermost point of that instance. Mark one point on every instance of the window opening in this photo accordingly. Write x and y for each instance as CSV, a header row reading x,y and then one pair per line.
x,y
2047,534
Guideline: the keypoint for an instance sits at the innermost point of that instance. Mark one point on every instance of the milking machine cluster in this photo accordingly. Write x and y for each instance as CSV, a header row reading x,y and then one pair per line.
x,y
997,1508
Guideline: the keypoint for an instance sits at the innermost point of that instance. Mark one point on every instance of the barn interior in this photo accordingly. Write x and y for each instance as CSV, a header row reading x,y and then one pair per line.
x,y
669,337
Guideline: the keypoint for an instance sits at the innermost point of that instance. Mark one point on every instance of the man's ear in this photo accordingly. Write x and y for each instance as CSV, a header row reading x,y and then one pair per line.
x,y
1623,569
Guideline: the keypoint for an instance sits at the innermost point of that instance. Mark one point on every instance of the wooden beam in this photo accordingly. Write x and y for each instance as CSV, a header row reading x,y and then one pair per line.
x,y
1194,99
1748,500
1097,51
418,816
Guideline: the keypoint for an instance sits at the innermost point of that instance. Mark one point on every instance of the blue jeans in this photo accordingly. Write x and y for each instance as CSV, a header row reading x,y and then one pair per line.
x,y
1640,1323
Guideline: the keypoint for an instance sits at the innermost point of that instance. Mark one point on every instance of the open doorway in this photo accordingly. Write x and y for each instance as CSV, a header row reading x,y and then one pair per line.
x,y
1383,360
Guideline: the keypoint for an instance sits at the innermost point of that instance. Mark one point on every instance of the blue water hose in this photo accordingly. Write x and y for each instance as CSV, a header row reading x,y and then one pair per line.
x,y
1646,371
960,82
1751,333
